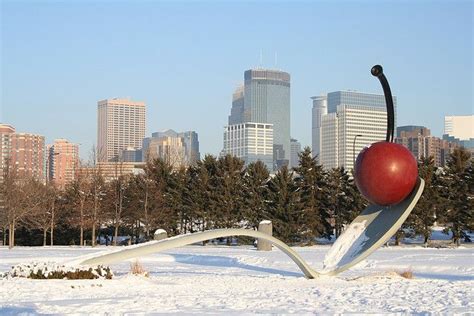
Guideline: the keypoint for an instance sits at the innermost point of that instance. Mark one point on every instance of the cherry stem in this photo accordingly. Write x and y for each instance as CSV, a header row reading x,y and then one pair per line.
x,y
377,71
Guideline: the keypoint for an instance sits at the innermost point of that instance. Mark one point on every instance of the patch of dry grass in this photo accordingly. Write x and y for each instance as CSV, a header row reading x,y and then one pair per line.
x,y
136,268
407,274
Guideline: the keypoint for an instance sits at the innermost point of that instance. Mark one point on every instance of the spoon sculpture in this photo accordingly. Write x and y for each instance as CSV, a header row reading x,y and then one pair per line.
x,y
385,174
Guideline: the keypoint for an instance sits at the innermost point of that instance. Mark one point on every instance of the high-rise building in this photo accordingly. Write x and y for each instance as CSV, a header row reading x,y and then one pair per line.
x,y
62,162
354,120
27,156
180,149
329,155
251,142
121,124
295,150
419,141
267,100
461,126
130,154
412,131
237,111
6,132
320,108
191,146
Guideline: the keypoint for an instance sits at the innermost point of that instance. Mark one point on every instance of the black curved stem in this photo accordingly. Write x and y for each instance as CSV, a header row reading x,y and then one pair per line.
x,y
377,71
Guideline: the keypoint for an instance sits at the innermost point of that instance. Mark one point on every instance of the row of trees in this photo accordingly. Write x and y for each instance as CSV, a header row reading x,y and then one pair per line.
x,y
303,204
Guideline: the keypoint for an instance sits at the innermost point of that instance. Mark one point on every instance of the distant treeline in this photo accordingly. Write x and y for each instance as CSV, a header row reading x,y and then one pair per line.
x,y
305,203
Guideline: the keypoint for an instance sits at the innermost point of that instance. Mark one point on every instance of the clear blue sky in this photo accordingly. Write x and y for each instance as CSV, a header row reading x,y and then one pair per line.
x,y
184,59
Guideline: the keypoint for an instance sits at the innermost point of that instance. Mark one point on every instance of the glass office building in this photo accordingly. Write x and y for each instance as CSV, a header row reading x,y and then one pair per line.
x,y
267,100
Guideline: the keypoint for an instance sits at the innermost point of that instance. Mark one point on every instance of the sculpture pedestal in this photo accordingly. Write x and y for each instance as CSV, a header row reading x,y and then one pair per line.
x,y
266,228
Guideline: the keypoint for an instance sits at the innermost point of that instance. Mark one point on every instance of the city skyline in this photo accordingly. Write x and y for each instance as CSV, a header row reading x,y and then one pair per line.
x,y
56,67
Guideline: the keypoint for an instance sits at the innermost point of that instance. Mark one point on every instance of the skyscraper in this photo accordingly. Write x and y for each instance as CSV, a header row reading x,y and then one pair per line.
x,y
354,120
295,150
63,162
6,132
267,100
250,142
191,146
237,111
180,149
121,124
28,156
319,109
461,126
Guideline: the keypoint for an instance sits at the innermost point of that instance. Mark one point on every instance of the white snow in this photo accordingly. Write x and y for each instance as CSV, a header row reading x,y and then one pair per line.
x,y
236,280
353,239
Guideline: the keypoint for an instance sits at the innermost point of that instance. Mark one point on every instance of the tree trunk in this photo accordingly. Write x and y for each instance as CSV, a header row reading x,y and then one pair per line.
x,y
94,221
397,239
81,240
93,234
147,225
116,234
44,236
52,225
10,235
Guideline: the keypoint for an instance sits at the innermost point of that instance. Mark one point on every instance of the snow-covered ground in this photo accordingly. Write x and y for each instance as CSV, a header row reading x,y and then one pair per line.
x,y
236,280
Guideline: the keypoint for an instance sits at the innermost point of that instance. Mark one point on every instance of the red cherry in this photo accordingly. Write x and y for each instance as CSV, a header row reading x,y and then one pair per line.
x,y
385,173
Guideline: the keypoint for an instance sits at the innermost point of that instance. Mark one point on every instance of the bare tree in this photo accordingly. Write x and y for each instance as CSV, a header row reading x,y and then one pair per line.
x,y
97,187
37,201
15,200
116,191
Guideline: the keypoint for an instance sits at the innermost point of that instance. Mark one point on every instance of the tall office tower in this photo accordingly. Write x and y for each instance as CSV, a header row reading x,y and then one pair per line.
x,y
237,111
250,142
419,141
121,124
295,150
355,98
63,162
329,155
28,156
191,146
354,120
461,127
320,108
412,130
180,149
130,154
6,132
267,100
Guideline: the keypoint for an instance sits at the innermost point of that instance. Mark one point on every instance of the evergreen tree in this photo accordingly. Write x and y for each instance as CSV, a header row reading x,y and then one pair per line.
x,y
283,206
312,187
194,211
209,182
423,215
139,203
229,191
458,194
163,213
344,199
255,191
176,196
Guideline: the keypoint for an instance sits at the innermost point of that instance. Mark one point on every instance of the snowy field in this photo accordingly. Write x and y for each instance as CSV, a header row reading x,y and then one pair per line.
x,y
237,280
